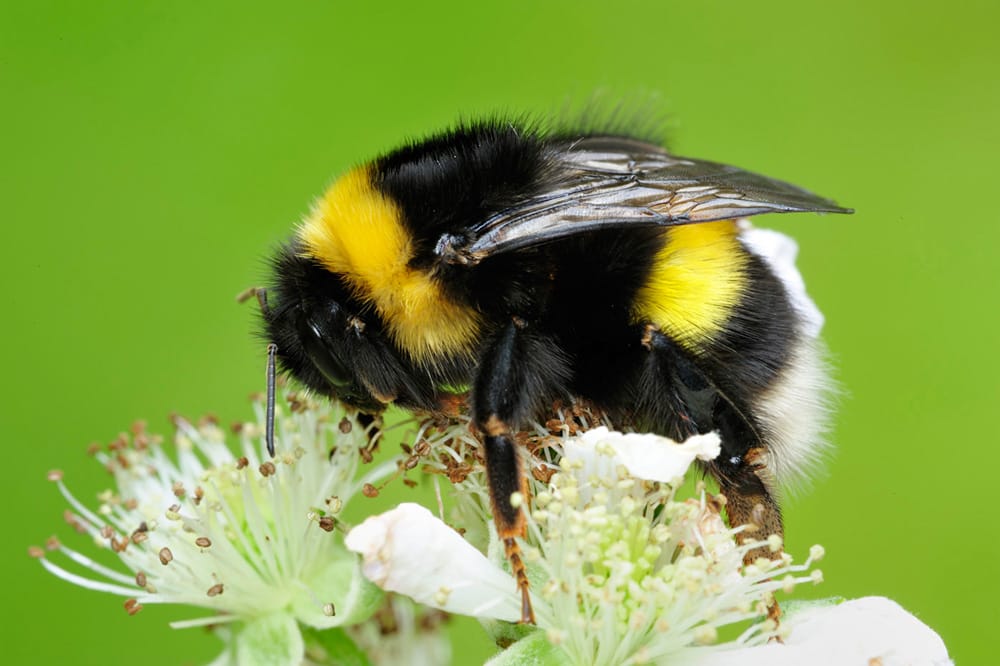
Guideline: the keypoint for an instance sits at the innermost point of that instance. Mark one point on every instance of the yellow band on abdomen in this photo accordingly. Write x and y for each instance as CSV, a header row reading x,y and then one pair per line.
x,y
697,279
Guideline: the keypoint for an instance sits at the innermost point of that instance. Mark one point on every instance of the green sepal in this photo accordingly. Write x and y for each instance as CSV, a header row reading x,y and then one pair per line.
x,y
271,640
333,646
793,607
341,583
506,633
532,650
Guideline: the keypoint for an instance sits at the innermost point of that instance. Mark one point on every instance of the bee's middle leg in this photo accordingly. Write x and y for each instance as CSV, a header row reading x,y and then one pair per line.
x,y
520,368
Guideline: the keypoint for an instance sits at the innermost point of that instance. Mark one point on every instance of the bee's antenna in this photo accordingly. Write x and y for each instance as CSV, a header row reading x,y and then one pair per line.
x,y
261,294
272,349
269,405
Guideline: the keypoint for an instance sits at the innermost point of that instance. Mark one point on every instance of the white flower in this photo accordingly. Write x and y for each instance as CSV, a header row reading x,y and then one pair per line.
x,y
862,632
644,456
622,571
252,539
435,553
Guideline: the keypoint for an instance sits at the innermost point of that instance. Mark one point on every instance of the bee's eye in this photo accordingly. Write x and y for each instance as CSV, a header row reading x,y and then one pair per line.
x,y
332,369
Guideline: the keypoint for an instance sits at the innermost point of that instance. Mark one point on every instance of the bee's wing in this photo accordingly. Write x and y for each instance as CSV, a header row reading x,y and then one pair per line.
x,y
611,182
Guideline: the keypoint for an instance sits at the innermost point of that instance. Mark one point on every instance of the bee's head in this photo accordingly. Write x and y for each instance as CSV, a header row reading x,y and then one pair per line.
x,y
325,338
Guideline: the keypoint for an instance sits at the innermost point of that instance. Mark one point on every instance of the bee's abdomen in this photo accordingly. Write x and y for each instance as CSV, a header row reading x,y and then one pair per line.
x,y
756,339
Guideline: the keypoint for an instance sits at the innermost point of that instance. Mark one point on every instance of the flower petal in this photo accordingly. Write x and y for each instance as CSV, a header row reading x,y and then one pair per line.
x,y
408,550
649,457
863,631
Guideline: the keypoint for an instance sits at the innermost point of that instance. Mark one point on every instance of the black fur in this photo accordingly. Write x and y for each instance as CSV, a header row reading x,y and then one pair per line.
x,y
448,182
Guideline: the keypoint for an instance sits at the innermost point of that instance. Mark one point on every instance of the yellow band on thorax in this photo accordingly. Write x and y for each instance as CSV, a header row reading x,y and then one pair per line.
x,y
356,231
697,279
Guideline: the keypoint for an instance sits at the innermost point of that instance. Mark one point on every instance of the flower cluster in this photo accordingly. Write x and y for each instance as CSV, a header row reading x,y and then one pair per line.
x,y
625,567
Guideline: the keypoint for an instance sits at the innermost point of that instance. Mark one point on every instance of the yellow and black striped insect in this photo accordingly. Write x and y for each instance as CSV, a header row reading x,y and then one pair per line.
x,y
524,267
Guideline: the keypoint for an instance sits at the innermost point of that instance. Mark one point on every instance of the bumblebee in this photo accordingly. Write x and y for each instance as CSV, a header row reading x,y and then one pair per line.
x,y
524,267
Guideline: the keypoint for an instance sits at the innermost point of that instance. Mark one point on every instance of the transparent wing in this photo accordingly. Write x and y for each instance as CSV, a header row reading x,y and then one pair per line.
x,y
612,182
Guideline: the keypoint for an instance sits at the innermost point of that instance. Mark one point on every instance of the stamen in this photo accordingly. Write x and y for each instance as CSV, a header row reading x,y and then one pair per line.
x,y
96,567
86,582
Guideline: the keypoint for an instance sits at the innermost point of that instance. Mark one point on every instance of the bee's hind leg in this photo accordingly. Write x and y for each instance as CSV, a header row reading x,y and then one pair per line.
x,y
749,500
678,399
744,482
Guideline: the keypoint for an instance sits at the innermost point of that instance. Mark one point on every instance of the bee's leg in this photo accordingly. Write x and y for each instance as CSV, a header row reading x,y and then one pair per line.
x,y
683,401
515,372
745,480
746,483
506,477
679,400
749,501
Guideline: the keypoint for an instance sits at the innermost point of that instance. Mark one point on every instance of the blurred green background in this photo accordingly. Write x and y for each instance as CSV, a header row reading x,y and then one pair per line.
x,y
153,152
